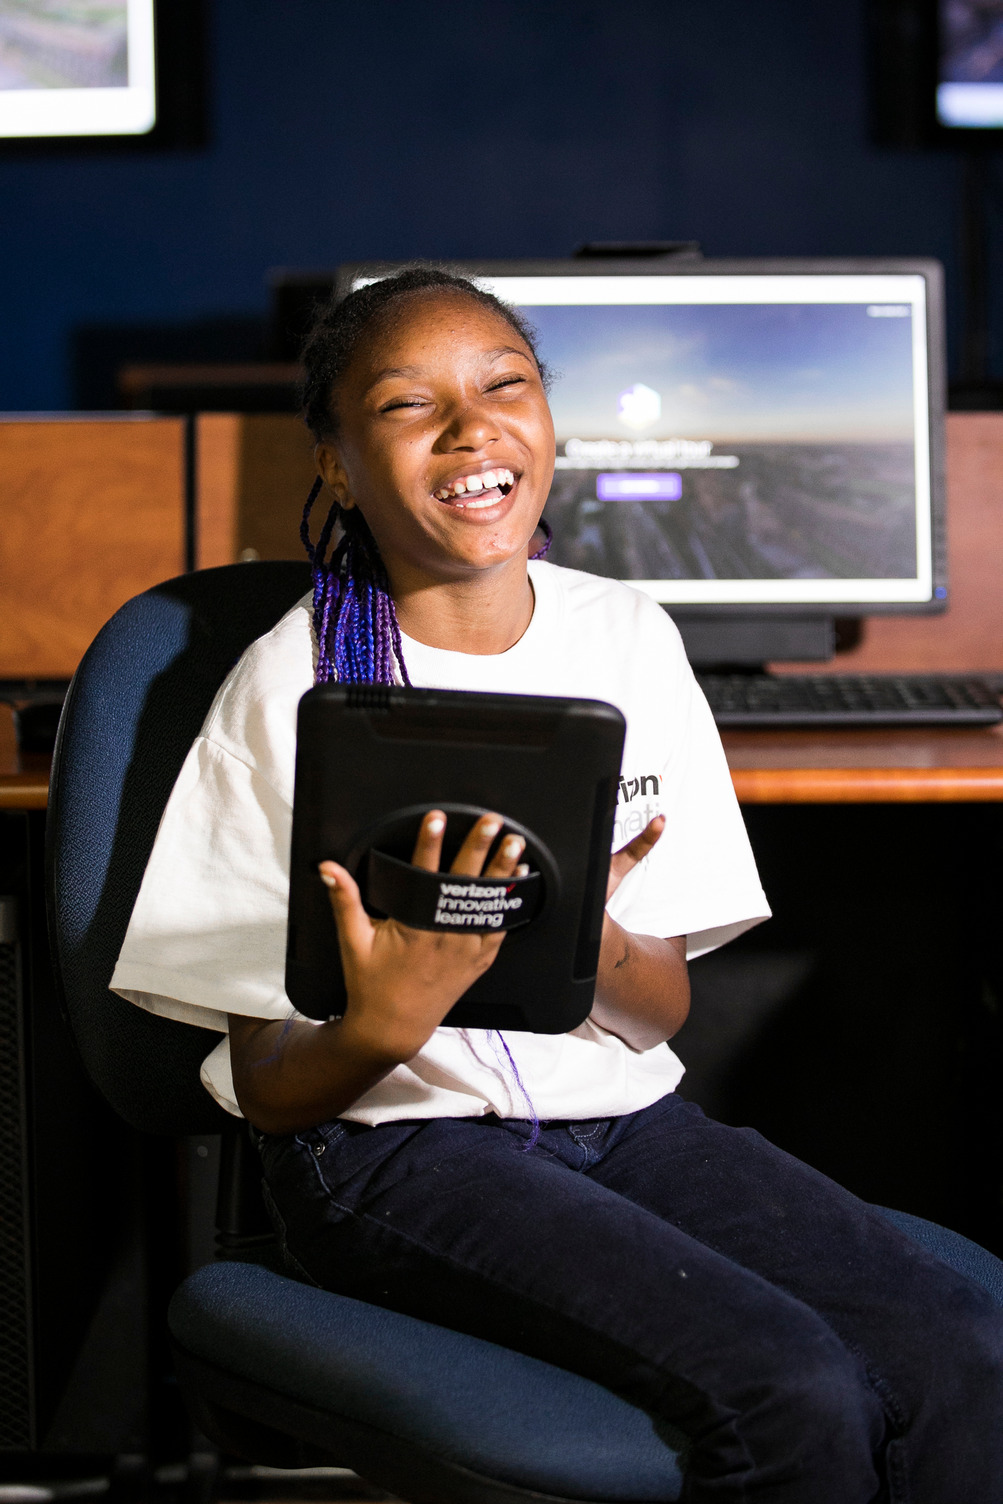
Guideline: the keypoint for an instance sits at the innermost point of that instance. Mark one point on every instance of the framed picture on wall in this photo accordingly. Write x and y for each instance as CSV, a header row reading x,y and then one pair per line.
x,y
101,73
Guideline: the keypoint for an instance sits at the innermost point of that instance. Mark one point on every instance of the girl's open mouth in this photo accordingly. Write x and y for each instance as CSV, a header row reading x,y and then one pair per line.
x,y
474,493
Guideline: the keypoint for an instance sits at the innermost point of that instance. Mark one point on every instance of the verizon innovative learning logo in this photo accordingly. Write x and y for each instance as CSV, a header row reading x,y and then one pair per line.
x,y
473,906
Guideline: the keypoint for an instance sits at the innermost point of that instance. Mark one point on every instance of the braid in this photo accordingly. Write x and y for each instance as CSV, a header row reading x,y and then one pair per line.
x,y
354,621
548,538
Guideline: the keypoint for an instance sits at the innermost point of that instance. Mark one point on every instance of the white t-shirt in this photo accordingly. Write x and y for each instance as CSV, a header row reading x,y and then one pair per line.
x,y
207,935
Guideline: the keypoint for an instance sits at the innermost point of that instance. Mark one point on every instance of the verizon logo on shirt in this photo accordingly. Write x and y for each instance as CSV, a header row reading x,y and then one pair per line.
x,y
638,802
631,788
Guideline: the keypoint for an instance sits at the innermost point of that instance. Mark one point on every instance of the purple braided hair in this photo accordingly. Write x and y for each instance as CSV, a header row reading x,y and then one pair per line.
x,y
498,1038
354,618
548,538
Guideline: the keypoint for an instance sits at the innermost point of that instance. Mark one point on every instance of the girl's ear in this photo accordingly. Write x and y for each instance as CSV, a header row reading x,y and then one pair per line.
x,y
333,472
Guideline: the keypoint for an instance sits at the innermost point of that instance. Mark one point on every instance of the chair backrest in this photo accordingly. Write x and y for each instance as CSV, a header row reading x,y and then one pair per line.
x,y
135,706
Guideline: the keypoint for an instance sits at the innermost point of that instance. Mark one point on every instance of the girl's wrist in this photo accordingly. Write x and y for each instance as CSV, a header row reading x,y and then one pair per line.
x,y
380,1046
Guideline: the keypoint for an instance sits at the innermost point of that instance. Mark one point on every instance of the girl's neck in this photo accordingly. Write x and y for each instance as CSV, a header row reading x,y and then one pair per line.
x,y
486,614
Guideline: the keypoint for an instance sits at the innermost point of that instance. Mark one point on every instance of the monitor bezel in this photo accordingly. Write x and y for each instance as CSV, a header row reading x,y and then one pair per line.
x,y
929,269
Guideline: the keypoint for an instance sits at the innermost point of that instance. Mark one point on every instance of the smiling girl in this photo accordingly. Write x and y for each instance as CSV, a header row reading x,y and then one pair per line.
x,y
553,1194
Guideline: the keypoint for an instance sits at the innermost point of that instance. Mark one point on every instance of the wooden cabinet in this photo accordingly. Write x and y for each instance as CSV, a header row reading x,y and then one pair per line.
x,y
254,473
92,511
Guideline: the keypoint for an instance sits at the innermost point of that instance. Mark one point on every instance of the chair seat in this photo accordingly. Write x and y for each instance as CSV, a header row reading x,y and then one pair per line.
x,y
415,1408
432,1415
969,1258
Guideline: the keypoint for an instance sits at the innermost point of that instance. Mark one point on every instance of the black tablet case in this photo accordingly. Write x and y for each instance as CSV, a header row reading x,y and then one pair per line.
x,y
372,760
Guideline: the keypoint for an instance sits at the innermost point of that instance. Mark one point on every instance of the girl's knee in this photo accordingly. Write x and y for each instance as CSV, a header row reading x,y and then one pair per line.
x,y
811,1430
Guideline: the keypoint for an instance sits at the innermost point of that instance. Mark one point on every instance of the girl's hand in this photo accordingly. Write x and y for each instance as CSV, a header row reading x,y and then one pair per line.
x,y
627,858
401,982
642,989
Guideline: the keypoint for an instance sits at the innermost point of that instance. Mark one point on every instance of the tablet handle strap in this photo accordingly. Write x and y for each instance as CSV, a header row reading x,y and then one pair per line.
x,y
444,901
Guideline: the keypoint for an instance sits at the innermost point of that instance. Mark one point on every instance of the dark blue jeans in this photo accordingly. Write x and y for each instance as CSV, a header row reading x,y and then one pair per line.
x,y
808,1350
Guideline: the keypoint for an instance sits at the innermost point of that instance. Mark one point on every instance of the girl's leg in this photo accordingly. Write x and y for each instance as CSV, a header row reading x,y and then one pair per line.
x,y
932,1340
451,1221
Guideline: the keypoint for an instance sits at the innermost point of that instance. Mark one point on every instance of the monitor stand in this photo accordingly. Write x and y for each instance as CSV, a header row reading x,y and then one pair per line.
x,y
745,644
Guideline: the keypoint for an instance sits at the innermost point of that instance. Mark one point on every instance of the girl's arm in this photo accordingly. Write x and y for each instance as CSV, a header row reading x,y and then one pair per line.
x,y
642,987
291,1075
401,983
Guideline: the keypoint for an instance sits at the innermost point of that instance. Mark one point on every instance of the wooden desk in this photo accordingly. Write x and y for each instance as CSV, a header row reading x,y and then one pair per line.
x,y
768,767
24,778
93,512
866,767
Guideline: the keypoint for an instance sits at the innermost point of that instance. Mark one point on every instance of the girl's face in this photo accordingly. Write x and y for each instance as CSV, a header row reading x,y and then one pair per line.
x,y
445,440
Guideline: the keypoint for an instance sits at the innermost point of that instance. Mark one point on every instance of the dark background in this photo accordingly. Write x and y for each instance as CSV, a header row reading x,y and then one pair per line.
x,y
340,130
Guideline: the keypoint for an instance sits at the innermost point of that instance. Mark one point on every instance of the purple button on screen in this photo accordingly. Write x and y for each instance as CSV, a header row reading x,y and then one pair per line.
x,y
635,485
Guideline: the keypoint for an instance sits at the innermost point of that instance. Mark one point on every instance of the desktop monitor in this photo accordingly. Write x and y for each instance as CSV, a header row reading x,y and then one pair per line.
x,y
755,444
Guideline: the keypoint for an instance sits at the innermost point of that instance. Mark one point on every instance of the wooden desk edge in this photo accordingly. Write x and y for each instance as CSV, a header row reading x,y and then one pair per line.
x,y
868,785
752,785
24,791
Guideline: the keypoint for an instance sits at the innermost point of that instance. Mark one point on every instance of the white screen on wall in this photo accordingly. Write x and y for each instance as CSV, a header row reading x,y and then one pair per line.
x,y
76,68
970,74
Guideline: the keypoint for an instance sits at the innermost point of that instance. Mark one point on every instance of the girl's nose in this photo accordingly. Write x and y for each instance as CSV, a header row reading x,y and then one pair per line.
x,y
471,427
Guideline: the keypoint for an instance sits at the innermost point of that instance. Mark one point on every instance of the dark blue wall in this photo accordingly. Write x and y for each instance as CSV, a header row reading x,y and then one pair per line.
x,y
350,128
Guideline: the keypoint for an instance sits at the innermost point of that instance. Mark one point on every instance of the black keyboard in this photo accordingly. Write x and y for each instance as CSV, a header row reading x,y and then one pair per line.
x,y
851,700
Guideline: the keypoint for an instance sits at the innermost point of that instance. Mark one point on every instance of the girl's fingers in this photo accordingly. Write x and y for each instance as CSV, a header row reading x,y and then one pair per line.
x,y
639,847
471,855
624,860
355,928
504,863
428,846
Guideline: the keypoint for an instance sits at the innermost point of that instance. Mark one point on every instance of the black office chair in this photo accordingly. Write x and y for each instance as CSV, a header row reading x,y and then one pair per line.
x,y
273,1369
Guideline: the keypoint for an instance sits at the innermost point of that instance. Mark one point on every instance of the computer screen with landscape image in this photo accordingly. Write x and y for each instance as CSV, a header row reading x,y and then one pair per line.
x,y
739,439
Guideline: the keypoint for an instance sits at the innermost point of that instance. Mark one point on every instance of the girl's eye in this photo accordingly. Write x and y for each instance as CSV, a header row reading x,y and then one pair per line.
x,y
507,381
390,407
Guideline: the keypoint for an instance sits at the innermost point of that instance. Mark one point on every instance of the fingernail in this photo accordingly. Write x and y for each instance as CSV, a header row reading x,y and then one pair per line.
x,y
491,829
522,870
327,878
436,826
513,846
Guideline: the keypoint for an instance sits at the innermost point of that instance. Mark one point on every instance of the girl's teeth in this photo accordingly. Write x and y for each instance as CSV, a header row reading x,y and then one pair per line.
x,y
475,483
